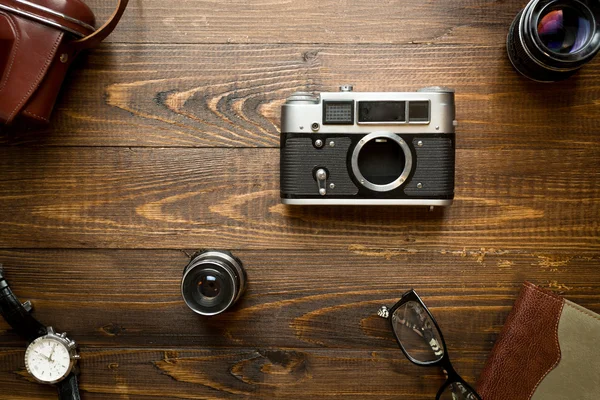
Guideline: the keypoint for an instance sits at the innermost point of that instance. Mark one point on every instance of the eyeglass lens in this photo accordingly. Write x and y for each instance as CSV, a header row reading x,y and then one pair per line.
x,y
457,391
417,333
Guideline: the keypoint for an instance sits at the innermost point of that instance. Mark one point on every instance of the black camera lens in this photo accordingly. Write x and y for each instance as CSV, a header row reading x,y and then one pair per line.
x,y
549,40
212,282
564,30
381,161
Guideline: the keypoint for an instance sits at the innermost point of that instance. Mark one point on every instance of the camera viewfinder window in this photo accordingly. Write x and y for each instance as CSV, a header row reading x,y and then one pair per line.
x,y
338,112
418,111
381,111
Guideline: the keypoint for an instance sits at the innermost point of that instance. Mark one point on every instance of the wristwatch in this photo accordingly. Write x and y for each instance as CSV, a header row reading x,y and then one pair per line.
x,y
50,358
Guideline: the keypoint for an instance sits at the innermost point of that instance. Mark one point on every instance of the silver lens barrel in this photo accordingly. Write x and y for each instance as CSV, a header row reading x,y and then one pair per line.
x,y
212,282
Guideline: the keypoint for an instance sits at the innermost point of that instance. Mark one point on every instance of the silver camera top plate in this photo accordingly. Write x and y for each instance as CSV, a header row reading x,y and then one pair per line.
x,y
304,112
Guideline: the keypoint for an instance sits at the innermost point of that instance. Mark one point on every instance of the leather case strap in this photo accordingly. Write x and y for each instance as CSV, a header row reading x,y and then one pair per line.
x,y
17,316
105,30
68,389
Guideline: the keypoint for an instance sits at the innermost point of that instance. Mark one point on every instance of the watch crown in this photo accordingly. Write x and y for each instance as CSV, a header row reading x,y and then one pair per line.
x,y
76,357
63,335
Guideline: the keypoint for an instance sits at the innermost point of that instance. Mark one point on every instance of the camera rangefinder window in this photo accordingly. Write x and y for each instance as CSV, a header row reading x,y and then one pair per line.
x,y
418,111
338,112
381,111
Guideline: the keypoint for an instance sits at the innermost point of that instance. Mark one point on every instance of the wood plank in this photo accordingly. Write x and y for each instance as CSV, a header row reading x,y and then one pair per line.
x,y
224,198
165,139
296,299
311,21
161,95
266,373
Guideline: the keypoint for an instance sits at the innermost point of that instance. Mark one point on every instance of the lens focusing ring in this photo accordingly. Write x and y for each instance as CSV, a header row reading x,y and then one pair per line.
x,y
226,266
521,59
533,59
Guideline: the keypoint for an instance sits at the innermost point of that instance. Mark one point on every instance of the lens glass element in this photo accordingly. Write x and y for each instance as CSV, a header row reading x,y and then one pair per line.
x,y
458,391
381,161
564,29
208,288
417,333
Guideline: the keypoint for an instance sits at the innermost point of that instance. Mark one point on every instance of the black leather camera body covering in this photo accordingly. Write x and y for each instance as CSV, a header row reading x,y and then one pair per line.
x,y
433,167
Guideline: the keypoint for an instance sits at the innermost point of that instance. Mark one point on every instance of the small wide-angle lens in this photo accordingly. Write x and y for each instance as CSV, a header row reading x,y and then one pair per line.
x,y
564,30
212,282
417,333
457,391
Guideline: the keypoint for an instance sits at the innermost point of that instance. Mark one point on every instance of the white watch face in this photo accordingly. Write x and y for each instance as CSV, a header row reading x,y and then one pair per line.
x,y
48,360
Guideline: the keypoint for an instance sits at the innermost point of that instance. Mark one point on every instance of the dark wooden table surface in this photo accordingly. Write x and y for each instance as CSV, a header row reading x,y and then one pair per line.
x,y
166,141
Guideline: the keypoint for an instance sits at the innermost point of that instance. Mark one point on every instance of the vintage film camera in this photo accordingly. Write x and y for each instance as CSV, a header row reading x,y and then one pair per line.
x,y
368,148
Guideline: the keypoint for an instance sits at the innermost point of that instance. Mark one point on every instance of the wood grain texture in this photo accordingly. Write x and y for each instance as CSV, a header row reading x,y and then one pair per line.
x,y
295,298
305,328
265,373
311,21
165,140
173,198
162,95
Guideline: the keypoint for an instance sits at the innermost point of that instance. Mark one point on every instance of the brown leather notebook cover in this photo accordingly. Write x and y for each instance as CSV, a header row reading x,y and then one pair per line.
x,y
548,349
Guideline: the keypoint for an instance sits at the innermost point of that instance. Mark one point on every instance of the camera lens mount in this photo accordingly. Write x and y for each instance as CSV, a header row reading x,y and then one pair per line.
x,y
381,161
212,282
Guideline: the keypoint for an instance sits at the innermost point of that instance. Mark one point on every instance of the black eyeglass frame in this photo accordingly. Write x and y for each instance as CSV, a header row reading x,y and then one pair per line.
x,y
444,362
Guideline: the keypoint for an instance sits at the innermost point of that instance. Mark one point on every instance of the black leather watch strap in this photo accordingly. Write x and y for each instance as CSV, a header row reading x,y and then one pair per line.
x,y
68,389
17,316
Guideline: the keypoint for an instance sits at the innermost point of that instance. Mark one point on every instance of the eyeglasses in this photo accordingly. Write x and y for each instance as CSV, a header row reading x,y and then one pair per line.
x,y
421,341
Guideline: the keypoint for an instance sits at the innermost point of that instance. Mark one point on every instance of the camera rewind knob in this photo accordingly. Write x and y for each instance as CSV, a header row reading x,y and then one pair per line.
x,y
436,89
302,98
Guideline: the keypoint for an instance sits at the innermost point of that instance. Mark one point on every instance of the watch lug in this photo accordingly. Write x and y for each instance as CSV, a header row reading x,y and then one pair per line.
x,y
72,344
27,306
51,330
76,357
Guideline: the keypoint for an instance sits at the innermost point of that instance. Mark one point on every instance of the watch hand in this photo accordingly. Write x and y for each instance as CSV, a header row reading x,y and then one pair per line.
x,y
46,357
52,353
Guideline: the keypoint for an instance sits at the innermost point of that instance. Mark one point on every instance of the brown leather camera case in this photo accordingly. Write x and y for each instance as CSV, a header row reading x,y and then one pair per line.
x,y
39,39
547,350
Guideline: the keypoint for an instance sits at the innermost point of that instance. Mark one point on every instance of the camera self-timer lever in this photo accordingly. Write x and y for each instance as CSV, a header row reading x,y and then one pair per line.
x,y
321,177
